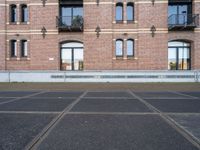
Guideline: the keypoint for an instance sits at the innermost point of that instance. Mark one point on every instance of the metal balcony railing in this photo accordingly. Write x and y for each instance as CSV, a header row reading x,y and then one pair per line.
x,y
70,23
183,21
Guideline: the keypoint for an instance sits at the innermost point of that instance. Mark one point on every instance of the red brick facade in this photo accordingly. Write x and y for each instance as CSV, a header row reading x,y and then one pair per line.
x,y
151,53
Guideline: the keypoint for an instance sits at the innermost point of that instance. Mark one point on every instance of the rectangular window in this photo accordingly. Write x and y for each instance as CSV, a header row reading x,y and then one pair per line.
x,y
24,48
71,14
13,48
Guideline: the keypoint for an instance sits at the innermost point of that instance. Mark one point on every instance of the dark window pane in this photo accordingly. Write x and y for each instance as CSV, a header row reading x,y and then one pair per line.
x,y
13,48
24,13
13,13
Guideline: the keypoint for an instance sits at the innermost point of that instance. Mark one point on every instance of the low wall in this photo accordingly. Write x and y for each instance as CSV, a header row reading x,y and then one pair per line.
x,y
100,76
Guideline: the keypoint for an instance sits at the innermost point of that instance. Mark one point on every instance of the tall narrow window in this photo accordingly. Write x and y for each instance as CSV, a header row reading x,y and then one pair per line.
x,y
179,55
13,48
130,12
24,48
13,13
24,13
119,12
119,48
130,47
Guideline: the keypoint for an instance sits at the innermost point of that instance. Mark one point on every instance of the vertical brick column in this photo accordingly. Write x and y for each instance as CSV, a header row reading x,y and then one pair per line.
x,y
2,35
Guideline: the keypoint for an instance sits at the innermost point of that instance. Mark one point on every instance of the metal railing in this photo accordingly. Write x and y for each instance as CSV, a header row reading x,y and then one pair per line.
x,y
70,23
183,20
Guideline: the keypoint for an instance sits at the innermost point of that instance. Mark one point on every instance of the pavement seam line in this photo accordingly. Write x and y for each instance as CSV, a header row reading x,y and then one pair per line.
x,y
109,113
48,128
185,95
171,98
23,97
191,138
29,112
108,98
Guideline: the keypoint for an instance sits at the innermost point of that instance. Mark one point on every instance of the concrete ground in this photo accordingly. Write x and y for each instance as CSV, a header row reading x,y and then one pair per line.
x,y
100,119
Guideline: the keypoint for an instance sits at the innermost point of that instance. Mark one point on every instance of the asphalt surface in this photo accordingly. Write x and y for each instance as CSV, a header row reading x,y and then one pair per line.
x,y
99,120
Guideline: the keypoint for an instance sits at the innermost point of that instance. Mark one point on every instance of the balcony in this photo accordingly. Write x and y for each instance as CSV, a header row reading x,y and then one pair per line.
x,y
183,22
70,23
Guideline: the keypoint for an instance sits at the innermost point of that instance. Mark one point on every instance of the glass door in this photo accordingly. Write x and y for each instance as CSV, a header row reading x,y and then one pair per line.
x,y
72,59
78,58
66,59
172,58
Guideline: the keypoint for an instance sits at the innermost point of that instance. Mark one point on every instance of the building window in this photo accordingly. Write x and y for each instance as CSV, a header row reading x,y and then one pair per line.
x,y
180,12
179,55
119,48
130,12
24,48
119,12
13,13
72,56
130,48
72,15
24,13
13,48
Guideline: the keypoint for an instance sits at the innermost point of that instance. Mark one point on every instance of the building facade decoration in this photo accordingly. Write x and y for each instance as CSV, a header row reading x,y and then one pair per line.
x,y
87,35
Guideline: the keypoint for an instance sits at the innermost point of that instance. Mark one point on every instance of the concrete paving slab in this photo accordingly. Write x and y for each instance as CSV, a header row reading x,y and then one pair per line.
x,y
16,93
17,130
195,94
109,94
110,105
176,105
157,95
114,132
60,94
37,104
190,122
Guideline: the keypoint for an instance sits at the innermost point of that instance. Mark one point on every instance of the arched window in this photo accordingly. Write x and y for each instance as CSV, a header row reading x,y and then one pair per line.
x,y
13,13
72,56
24,48
119,12
179,55
130,12
130,47
24,13
119,48
13,48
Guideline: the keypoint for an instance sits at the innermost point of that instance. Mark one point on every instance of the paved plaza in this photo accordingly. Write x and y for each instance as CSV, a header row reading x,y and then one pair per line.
x,y
100,120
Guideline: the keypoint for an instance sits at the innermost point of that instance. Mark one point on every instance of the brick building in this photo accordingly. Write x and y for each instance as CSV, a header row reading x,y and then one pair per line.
x,y
99,35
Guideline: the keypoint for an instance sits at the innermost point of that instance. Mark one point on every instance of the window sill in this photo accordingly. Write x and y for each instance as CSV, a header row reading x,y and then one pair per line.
x,y
125,58
12,23
25,58
18,59
131,22
119,57
119,21
12,58
24,23
132,58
